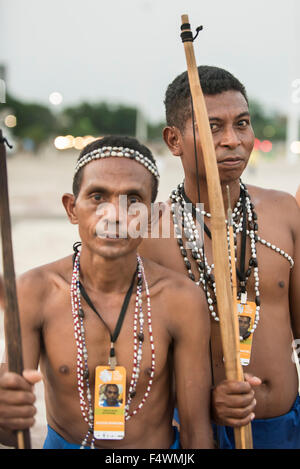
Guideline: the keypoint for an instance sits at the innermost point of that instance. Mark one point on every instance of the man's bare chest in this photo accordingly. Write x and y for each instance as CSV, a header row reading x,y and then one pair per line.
x,y
62,350
274,244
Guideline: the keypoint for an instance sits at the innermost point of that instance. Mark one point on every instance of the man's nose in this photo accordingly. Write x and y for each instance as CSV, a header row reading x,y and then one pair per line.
x,y
111,212
230,138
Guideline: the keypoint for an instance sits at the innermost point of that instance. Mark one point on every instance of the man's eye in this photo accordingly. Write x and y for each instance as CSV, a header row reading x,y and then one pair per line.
x,y
97,197
133,200
243,123
214,126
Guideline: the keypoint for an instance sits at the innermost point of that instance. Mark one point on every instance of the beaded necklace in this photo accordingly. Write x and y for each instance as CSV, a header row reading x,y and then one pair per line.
x,y
245,222
85,395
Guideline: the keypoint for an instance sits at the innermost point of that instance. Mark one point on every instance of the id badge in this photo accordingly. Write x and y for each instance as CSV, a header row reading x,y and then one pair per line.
x,y
109,408
246,315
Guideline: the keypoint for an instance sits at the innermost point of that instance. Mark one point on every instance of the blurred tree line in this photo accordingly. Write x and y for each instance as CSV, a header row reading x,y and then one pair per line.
x,y
36,122
266,125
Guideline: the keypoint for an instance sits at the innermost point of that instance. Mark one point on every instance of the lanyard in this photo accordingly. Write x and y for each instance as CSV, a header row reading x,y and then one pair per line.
x,y
113,336
242,273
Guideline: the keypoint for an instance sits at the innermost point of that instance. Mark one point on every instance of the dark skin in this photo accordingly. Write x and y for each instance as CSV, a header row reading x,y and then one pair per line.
x,y
106,270
236,403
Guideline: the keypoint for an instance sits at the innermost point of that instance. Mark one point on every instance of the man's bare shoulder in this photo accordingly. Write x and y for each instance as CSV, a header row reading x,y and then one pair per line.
x,y
183,303
271,196
277,202
176,287
156,245
40,281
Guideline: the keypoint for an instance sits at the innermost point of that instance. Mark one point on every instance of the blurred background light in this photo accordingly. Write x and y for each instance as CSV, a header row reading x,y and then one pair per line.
x,y
266,146
10,121
55,98
65,142
78,143
256,144
61,143
69,141
295,148
269,131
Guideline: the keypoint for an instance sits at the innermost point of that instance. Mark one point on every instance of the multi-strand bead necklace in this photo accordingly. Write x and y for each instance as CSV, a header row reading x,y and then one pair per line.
x,y
84,389
244,222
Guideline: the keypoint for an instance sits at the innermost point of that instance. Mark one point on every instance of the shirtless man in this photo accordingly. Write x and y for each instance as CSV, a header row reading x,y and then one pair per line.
x,y
271,387
107,266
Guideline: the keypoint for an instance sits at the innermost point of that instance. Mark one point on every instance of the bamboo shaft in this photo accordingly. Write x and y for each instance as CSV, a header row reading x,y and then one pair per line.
x,y
239,434
11,317
243,436
228,320
20,439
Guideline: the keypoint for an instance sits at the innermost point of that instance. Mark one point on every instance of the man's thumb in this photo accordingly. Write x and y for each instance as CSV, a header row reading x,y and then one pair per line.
x,y
253,380
32,376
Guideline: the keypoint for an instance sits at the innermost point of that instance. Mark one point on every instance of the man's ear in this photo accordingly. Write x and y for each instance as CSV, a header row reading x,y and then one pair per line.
x,y
68,201
172,138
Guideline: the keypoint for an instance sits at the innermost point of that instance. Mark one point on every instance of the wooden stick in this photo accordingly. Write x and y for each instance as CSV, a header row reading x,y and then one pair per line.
x,y
218,226
244,436
11,317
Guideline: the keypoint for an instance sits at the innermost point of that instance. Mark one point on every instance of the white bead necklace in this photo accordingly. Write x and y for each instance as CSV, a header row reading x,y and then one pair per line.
x,y
206,279
85,396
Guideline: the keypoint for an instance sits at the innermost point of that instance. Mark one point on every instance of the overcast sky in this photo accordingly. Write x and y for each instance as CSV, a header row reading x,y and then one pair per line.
x,y
130,50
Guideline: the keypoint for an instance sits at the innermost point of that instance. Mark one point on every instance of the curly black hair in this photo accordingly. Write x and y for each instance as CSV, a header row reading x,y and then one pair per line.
x,y
213,81
115,141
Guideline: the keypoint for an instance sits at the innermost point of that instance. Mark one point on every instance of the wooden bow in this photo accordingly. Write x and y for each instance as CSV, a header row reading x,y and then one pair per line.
x,y
228,318
12,321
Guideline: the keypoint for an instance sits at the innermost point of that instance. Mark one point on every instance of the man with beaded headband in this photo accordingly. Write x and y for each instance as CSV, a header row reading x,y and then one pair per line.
x,y
267,241
104,305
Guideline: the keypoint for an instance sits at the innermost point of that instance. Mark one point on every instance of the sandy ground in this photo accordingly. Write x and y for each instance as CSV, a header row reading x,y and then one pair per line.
x,y
41,232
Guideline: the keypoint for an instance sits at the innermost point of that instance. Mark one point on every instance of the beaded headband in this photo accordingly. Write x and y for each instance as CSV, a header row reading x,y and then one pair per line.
x,y
106,152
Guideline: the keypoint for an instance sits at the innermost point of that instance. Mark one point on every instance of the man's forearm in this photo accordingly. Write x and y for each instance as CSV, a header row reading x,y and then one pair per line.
x,y
197,440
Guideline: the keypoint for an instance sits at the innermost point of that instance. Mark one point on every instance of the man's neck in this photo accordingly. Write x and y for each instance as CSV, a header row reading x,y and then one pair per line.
x,y
192,192
106,275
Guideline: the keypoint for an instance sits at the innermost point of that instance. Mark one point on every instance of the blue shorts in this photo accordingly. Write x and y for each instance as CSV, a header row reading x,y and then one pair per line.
x,y
276,433
55,441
